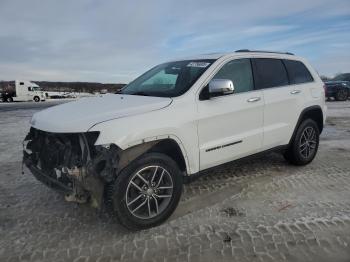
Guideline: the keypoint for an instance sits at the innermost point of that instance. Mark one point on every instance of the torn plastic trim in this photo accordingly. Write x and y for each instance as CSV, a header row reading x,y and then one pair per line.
x,y
48,181
72,164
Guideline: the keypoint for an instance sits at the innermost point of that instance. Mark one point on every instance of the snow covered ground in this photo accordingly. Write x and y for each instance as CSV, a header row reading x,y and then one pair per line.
x,y
257,209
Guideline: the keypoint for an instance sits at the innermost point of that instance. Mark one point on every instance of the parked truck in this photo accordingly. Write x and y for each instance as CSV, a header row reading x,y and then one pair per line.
x,y
19,90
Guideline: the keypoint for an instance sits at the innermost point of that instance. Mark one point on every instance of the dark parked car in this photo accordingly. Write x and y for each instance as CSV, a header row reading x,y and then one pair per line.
x,y
340,90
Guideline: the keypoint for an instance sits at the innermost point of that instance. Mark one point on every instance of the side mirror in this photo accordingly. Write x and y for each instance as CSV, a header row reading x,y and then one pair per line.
x,y
221,87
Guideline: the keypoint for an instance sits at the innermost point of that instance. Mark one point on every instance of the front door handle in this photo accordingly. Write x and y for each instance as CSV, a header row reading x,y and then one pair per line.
x,y
253,99
294,92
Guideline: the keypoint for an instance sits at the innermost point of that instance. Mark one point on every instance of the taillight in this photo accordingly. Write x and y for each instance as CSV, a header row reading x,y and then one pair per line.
x,y
325,88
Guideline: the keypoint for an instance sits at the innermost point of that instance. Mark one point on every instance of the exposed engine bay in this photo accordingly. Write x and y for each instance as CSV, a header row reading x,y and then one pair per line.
x,y
72,164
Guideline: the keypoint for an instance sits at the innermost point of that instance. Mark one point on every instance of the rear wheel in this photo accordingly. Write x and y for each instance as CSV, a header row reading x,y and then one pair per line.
x,y
341,95
146,192
9,99
37,99
304,146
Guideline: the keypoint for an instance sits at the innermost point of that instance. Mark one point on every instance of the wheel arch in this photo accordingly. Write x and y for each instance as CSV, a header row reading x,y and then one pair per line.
x,y
313,112
172,149
169,146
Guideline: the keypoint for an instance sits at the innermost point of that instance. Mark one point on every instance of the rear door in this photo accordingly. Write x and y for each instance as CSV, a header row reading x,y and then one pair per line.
x,y
280,109
231,126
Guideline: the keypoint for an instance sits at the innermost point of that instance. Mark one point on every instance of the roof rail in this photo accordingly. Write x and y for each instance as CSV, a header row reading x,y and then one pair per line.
x,y
261,51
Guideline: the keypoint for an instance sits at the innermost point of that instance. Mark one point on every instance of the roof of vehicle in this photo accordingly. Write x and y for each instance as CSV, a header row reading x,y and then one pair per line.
x,y
242,52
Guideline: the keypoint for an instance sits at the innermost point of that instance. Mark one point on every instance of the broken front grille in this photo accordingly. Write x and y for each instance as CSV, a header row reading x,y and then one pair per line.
x,y
56,153
71,163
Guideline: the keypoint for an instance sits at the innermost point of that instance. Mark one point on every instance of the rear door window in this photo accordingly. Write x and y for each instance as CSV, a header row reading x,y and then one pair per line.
x,y
269,72
297,71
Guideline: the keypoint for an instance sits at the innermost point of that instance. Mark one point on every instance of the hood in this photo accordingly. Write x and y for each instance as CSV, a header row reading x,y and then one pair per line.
x,y
81,115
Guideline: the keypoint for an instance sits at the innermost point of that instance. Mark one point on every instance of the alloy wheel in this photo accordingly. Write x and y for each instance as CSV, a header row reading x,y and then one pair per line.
x,y
308,142
149,192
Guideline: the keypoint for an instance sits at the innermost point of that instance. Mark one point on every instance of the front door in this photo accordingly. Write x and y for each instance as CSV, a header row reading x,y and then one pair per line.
x,y
231,126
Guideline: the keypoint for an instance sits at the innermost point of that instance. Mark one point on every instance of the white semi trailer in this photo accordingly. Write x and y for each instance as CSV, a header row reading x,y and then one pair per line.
x,y
20,90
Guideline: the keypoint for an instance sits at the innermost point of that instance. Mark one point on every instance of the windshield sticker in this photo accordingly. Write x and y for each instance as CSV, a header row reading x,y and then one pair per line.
x,y
198,64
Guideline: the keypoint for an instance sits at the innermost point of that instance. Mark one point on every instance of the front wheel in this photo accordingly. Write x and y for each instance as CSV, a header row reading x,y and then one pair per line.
x,y
146,192
303,147
37,99
9,99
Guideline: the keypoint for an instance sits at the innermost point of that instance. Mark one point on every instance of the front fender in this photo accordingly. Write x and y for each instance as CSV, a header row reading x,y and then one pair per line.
x,y
157,125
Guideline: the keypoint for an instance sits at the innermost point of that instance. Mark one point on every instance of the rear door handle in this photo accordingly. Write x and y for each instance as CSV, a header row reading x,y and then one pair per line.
x,y
294,92
253,99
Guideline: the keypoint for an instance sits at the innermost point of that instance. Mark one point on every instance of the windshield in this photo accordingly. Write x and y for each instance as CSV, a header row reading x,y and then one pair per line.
x,y
168,80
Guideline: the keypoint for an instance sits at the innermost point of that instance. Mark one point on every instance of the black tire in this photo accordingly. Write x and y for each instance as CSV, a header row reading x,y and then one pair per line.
x,y
296,153
341,95
9,99
117,192
36,99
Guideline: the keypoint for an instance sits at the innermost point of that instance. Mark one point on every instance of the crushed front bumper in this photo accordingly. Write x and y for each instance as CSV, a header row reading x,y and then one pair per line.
x,y
46,179
71,164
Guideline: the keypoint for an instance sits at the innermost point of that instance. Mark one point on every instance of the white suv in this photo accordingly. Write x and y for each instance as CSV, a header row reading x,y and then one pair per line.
x,y
132,151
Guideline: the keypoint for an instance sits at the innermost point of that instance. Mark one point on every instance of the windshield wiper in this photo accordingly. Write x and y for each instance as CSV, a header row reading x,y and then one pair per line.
x,y
140,93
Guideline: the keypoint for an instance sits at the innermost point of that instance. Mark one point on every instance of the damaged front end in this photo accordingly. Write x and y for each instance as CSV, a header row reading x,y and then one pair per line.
x,y
71,163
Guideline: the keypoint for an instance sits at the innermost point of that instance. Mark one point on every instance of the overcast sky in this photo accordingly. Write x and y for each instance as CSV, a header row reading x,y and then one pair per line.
x,y
115,41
